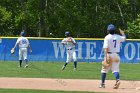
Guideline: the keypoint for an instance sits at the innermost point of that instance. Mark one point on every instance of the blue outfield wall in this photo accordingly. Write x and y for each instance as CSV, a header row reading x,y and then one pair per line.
x,y
51,50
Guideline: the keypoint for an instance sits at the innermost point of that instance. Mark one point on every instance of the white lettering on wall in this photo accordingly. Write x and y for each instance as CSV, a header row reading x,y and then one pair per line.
x,y
101,54
138,58
90,49
58,47
132,52
79,50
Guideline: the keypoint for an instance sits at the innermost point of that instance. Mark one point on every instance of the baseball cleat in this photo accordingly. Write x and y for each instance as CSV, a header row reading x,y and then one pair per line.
x,y
102,86
74,69
19,66
116,86
63,67
26,66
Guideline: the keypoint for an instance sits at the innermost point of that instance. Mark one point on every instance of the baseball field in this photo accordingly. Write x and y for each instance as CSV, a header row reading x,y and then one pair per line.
x,y
47,77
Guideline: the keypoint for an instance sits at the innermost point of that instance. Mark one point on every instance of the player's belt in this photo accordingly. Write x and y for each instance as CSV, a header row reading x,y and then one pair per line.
x,y
113,52
23,47
70,49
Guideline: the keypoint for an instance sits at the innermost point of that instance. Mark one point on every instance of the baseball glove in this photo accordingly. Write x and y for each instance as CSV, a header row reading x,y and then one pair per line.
x,y
69,39
107,62
12,51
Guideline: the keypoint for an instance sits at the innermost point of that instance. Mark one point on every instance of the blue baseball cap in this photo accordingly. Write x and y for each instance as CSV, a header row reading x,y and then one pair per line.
x,y
66,33
111,27
22,33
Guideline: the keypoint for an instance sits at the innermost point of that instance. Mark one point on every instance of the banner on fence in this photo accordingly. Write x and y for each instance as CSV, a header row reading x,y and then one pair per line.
x,y
51,50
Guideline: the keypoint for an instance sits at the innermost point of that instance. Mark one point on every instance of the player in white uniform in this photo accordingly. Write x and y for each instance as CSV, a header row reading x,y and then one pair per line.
x,y
70,49
23,45
112,43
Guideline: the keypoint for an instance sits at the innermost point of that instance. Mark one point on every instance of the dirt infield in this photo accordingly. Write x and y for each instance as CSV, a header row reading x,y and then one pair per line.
x,y
68,85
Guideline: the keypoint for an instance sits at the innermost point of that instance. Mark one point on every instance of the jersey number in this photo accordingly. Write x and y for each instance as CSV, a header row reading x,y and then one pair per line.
x,y
114,42
24,41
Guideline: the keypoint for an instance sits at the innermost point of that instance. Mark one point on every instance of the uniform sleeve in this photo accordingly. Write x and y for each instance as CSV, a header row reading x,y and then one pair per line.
x,y
18,40
28,42
122,38
64,40
73,40
105,45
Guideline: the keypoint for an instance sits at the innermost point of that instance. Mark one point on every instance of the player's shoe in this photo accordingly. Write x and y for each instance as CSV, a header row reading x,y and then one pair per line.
x,y
74,69
19,66
26,66
117,84
102,86
63,68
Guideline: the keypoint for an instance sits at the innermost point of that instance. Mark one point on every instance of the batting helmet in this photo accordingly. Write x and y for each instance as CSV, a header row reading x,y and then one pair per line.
x,y
67,33
111,27
22,33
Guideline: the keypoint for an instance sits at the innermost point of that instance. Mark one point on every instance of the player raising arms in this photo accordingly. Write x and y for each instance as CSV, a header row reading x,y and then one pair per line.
x,y
70,49
23,45
112,43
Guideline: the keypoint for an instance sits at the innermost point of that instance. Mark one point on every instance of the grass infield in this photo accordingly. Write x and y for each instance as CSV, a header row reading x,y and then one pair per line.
x,y
53,70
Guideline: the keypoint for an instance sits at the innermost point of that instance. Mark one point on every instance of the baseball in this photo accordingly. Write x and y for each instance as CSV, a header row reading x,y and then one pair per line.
x,y
50,33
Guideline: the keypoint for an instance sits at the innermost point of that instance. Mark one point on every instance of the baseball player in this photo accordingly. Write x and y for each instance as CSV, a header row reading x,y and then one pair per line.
x,y
70,49
112,43
23,45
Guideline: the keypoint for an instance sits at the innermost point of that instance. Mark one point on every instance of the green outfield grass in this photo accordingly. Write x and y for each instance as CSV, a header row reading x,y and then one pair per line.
x,y
53,70
38,91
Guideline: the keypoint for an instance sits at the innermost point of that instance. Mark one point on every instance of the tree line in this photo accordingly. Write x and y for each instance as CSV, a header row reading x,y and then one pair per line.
x,y
82,18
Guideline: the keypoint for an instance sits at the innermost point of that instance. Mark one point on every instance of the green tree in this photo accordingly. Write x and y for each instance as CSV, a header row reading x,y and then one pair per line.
x,y
133,30
83,18
5,17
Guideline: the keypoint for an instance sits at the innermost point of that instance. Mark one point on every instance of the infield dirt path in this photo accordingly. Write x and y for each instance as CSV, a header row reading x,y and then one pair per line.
x,y
68,85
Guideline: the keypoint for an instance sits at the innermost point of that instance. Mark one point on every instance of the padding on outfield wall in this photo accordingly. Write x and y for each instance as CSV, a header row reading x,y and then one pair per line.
x,y
51,50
